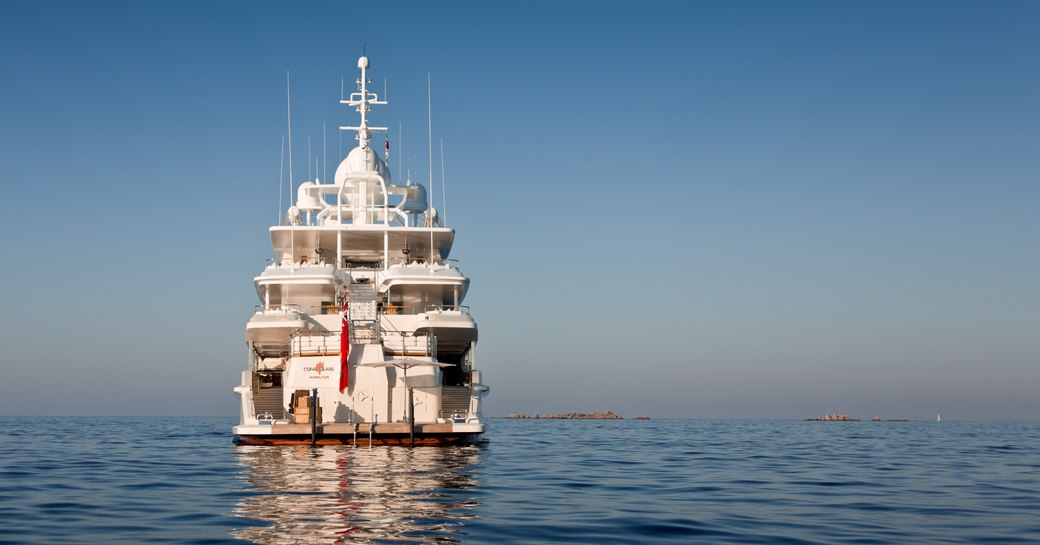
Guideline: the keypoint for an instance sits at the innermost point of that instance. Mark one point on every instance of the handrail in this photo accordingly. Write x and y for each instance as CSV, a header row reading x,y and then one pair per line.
x,y
442,308
283,306
309,262
324,347
429,347
407,310
448,263
454,414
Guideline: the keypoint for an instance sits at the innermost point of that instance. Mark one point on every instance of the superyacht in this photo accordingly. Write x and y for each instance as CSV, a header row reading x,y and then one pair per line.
x,y
361,336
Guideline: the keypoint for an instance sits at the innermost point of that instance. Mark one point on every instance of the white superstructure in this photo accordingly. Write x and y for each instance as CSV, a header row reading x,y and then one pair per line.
x,y
373,254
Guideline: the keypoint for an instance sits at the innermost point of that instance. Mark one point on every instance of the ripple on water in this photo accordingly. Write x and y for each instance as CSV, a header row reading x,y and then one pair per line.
x,y
180,480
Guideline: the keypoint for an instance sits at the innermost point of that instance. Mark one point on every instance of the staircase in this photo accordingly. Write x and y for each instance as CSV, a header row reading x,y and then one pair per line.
x,y
454,401
269,400
363,314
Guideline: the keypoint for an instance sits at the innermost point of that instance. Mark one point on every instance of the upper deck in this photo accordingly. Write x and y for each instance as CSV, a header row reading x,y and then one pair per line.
x,y
362,218
374,245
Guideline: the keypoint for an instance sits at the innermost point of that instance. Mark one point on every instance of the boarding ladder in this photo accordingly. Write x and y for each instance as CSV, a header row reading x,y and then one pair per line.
x,y
363,313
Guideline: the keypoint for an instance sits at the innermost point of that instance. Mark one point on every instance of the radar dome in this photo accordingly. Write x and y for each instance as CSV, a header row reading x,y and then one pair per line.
x,y
361,160
306,199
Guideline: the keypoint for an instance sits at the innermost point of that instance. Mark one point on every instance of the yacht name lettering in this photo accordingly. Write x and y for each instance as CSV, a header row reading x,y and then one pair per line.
x,y
319,368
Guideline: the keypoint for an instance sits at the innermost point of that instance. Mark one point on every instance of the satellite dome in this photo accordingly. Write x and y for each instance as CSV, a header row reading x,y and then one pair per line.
x,y
361,160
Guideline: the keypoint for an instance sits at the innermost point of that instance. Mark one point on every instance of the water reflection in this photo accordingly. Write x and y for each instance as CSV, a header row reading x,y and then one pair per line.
x,y
362,495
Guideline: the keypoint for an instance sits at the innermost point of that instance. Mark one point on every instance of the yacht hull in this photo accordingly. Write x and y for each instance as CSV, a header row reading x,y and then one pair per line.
x,y
344,434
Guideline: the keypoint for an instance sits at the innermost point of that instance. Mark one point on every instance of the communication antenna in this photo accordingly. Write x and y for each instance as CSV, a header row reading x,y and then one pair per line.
x,y
309,177
324,153
444,199
386,98
400,151
340,132
429,128
281,179
288,115
362,101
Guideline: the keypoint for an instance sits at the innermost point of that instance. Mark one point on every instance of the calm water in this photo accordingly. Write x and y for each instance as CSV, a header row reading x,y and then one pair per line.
x,y
180,480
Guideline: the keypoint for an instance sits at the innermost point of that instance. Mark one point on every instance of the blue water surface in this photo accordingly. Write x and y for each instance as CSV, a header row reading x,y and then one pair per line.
x,y
181,480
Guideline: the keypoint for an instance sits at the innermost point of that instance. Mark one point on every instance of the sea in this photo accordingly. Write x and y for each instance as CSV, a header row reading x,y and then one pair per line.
x,y
182,480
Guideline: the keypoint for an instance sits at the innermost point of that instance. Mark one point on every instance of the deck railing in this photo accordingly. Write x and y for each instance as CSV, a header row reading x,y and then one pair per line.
x,y
314,344
404,310
446,262
283,307
409,344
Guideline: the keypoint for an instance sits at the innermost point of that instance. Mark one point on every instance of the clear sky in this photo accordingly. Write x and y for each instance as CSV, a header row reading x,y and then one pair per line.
x,y
679,209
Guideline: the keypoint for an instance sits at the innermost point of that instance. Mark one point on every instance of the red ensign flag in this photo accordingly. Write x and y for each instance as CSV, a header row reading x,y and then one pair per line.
x,y
344,352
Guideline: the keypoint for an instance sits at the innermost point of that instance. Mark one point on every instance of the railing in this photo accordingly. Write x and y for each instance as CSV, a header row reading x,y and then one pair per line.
x,y
302,260
449,263
402,310
449,308
282,307
349,266
314,344
269,417
410,344
454,414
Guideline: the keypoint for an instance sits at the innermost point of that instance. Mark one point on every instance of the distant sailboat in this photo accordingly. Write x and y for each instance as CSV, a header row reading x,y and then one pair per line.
x,y
938,418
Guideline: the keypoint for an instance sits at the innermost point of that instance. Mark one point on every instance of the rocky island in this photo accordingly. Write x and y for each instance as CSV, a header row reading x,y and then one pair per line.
x,y
833,418
605,415
847,418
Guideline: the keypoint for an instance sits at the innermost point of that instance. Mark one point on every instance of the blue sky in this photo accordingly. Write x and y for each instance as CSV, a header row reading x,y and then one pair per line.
x,y
688,209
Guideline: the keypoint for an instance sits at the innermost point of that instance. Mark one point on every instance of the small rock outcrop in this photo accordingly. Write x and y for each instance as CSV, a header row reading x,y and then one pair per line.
x,y
833,418
605,415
